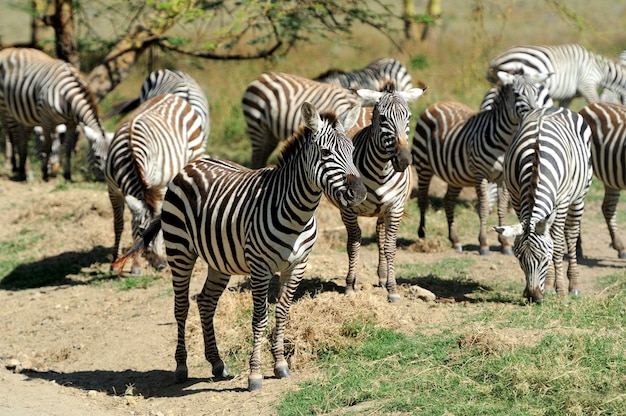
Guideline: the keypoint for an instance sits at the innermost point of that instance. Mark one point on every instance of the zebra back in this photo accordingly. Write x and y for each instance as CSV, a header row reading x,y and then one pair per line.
x,y
271,107
372,77
548,173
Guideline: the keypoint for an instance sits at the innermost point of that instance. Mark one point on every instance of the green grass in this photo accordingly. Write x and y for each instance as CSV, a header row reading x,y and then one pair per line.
x,y
563,357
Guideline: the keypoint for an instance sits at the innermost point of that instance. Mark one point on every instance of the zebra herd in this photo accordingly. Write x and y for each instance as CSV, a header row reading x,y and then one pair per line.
x,y
345,136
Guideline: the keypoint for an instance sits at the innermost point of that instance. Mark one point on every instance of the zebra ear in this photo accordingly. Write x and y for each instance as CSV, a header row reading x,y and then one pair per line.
x,y
369,97
90,133
134,204
412,94
350,117
540,78
310,117
510,230
505,77
543,226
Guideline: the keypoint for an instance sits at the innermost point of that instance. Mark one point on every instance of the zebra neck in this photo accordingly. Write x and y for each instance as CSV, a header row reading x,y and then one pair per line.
x,y
294,197
614,76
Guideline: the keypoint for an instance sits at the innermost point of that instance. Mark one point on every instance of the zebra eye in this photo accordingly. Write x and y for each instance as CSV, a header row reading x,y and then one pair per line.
x,y
326,152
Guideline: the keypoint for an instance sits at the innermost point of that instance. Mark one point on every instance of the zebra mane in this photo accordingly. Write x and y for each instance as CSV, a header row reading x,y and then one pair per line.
x,y
534,176
333,72
388,86
294,144
85,89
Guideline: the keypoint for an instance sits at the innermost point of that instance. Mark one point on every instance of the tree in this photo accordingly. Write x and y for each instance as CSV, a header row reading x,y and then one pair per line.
x,y
231,30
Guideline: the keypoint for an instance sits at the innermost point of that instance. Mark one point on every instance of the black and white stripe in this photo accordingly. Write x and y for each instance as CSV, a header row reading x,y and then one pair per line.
x,y
466,148
37,90
373,77
382,154
608,155
575,70
147,151
271,107
609,96
548,173
256,222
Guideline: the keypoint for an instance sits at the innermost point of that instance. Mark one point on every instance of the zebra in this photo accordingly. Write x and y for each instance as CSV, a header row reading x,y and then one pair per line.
x,y
148,150
38,90
382,155
575,70
168,81
373,77
608,155
256,222
548,172
609,96
271,107
466,148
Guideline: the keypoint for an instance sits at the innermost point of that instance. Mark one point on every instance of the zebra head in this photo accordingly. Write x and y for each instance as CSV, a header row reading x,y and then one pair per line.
x,y
142,216
99,142
533,248
390,121
330,159
524,92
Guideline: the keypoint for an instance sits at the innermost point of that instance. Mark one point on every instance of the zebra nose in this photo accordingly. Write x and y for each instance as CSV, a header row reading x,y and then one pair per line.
x,y
356,189
535,295
402,157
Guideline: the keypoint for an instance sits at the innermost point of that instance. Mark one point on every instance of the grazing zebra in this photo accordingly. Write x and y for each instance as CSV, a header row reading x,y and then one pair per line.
x,y
382,155
37,90
256,222
373,77
575,70
466,148
609,96
168,81
148,150
548,173
57,138
608,155
271,106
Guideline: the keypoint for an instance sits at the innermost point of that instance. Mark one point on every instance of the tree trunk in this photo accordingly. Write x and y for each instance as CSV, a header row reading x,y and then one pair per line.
x,y
410,27
432,31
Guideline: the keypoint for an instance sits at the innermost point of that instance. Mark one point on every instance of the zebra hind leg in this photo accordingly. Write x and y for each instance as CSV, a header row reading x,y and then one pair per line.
x,y
449,202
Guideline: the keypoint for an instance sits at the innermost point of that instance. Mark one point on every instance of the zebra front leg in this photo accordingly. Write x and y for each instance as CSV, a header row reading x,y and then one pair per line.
x,y
117,203
213,288
387,231
572,234
483,213
503,208
609,209
423,184
449,202
289,282
260,287
353,247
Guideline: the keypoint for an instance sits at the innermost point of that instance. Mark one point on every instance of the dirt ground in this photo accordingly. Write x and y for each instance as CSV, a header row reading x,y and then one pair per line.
x,y
76,348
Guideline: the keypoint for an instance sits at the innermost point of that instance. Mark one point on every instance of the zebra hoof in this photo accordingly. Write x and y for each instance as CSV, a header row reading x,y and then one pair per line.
x,y
574,293
350,292
484,251
393,297
282,370
622,255
220,370
255,382
458,248
136,271
181,374
507,251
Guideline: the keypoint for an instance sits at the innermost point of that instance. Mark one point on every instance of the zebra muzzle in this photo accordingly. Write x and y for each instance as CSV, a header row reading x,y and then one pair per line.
x,y
402,157
356,192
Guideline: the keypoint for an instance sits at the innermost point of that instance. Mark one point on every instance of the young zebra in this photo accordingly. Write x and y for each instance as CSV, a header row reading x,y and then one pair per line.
x,y
575,70
382,155
608,155
37,90
256,222
373,77
271,106
466,148
148,150
548,173
168,81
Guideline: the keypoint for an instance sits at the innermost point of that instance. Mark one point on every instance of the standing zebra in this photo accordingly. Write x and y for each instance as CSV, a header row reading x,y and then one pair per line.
x,y
575,70
609,96
36,89
608,155
373,77
382,155
271,106
548,173
256,222
466,148
168,81
148,150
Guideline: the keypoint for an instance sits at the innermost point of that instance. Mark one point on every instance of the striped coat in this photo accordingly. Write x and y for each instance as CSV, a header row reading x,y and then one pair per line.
x,y
373,77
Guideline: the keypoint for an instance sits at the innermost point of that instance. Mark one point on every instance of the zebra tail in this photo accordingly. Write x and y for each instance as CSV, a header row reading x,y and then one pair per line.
x,y
122,108
148,235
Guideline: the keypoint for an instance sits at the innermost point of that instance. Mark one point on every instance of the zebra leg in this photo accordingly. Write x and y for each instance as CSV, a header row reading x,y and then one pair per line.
x,y
19,145
609,209
181,263
260,287
353,247
558,240
572,233
483,213
263,145
289,282
449,203
117,203
213,288
424,177
387,232
503,208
